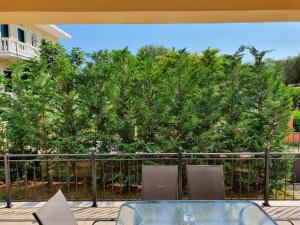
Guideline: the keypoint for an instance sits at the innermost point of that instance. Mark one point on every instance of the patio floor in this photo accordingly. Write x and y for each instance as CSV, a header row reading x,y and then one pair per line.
x,y
21,212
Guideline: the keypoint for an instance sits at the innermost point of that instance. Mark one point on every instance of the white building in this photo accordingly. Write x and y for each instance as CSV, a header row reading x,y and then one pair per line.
x,y
22,41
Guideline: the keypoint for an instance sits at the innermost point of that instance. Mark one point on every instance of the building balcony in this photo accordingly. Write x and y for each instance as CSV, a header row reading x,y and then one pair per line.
x,y
11,48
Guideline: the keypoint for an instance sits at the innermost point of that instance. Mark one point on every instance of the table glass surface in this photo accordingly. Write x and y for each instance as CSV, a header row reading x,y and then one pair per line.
x,y
193,213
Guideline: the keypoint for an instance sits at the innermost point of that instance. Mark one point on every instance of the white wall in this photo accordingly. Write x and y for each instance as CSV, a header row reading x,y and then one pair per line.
x,y
29,29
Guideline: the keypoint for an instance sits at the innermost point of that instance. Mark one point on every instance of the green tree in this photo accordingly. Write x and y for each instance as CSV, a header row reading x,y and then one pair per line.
x,y
69,117
205,100
122,95
94,89
269,106
292,70
16,111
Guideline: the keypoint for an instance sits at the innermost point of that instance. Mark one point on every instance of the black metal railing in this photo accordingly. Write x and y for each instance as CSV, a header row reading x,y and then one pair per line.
x,y
35,177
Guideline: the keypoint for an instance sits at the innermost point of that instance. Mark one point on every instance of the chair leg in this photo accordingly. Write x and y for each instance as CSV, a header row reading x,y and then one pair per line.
x,y
293,191
104,220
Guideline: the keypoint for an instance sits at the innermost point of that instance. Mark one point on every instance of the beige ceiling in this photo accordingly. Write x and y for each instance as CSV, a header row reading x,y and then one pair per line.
x,y
148,11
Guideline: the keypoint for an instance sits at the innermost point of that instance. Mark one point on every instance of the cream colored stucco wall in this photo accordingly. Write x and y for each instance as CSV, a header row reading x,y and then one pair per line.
x,y
29,30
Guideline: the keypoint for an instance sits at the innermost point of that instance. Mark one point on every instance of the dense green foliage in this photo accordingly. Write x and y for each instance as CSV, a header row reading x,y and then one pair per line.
x,y
157,100
291,69
296,118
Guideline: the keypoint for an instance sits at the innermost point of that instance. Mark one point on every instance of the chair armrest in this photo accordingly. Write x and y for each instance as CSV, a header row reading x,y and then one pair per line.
x,y
285,221
105,220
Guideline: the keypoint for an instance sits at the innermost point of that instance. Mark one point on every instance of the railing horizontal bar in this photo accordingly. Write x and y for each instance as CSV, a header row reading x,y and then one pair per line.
x,y
281,158
138,159
230,153
285,153
50,160
151,154
222,159
47,155
209,159
135,154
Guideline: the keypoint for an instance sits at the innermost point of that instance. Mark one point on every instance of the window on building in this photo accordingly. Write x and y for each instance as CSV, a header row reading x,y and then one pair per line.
x,y
4,32
21,35
34,40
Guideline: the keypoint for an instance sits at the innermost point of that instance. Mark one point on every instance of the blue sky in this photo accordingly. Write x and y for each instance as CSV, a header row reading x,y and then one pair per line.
x,y
282,38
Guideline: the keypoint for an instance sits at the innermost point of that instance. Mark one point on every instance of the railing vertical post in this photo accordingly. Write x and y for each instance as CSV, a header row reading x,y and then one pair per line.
x,y
179,173
7,180
267,178
94,179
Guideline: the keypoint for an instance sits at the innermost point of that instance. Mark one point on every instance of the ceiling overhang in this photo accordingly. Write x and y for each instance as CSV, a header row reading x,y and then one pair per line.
x,y
148,11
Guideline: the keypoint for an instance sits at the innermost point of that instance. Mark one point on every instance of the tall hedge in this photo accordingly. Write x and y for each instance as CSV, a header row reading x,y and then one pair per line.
x,y
158,100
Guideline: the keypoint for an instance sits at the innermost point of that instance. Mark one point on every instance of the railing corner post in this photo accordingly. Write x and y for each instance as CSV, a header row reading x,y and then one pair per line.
x,y
179,173
7,180
267,178
94,179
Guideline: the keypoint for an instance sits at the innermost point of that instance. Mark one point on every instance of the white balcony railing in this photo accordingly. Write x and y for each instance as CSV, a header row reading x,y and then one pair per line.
x,y
17,48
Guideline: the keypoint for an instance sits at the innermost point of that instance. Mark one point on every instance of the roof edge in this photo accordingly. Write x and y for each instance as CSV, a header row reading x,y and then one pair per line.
x,y
54,30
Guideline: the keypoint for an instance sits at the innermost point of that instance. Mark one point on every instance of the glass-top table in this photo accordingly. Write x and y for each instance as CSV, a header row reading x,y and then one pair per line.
x,y
193,213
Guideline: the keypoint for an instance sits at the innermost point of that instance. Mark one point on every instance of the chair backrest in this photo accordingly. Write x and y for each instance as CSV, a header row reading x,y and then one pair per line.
x,y
55,212
297,169
159,182
205,182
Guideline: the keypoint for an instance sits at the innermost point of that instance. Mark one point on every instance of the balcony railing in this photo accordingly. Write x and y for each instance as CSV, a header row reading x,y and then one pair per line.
x,y
17,48
35,177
